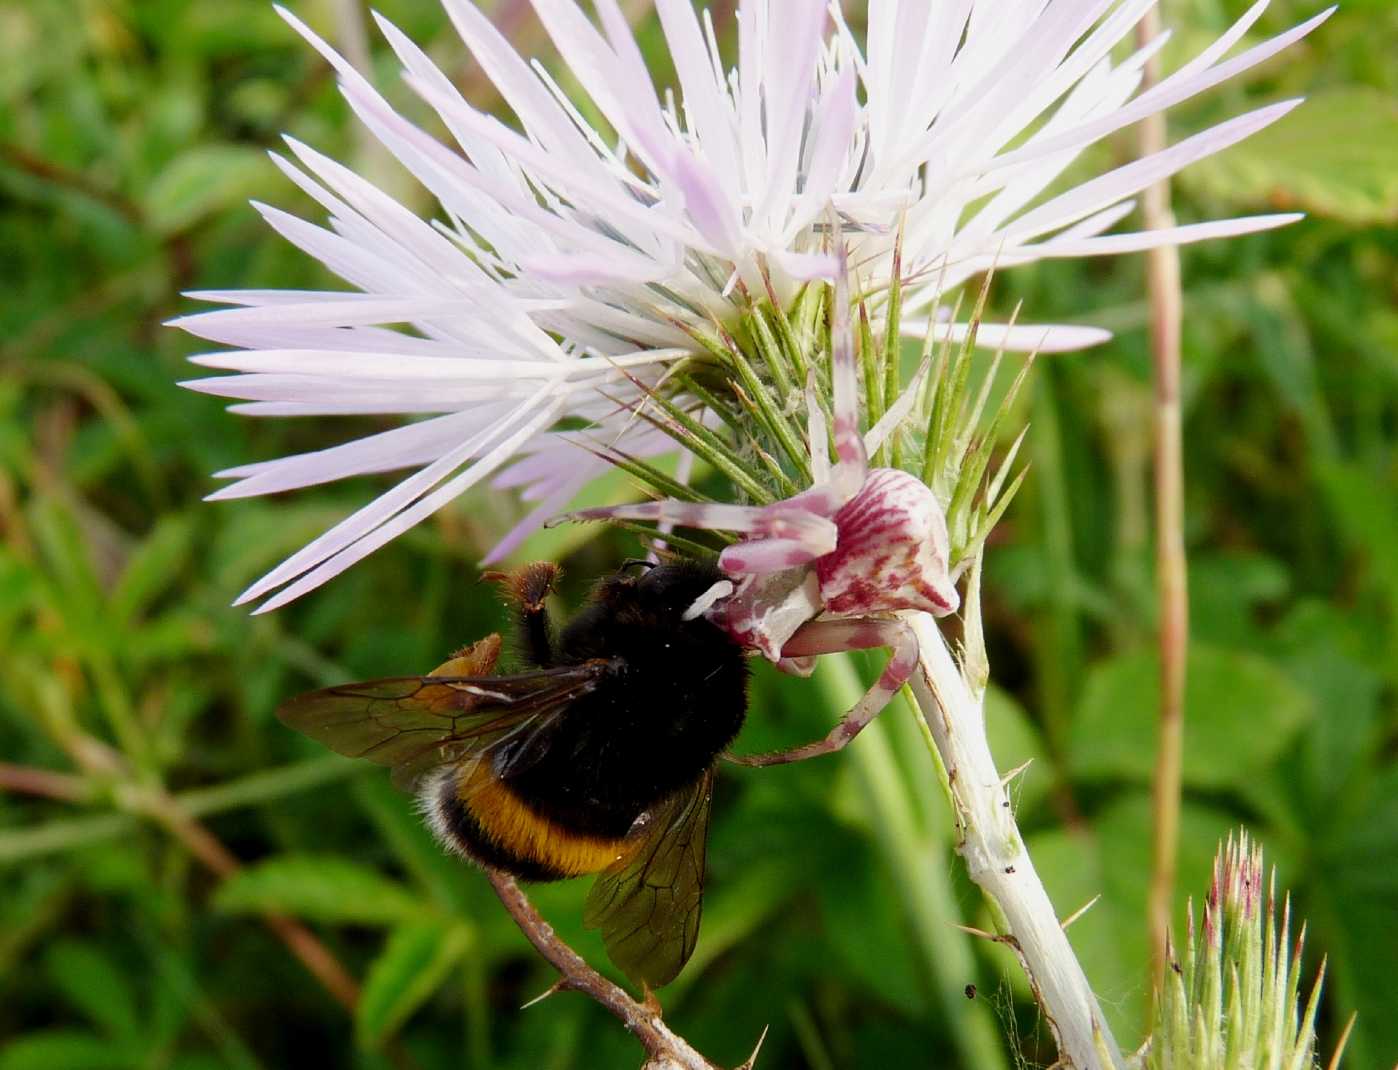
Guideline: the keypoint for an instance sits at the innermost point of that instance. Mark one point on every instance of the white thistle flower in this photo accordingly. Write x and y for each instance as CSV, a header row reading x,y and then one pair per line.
x,y
566,272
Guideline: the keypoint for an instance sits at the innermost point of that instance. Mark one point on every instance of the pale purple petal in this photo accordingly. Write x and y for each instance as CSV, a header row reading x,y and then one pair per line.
x,y
562,271
806,265
1017,338
1150,239
378,529
401,447
1131,178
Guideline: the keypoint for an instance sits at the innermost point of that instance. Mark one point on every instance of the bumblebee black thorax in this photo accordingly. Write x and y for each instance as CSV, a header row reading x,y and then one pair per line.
x,y
675,697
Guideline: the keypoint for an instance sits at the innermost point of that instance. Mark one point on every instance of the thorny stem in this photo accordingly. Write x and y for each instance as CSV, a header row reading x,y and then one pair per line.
x,y
664,1048
990,843
1163,285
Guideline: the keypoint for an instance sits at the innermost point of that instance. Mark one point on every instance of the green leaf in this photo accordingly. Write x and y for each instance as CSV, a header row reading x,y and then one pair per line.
x,y
1364,512
1336,156
322,888
867,931
1226,591
64,1049
1355,913
152,567
414,963
202,181
1320,647
737,910
1241,711
91,982
230,29
68,563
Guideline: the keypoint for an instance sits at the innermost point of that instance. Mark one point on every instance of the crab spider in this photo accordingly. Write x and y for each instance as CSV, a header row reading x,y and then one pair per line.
x,y
827,569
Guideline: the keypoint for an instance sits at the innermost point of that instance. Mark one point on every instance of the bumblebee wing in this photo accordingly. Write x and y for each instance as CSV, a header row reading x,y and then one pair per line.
x,y
648,904
414,723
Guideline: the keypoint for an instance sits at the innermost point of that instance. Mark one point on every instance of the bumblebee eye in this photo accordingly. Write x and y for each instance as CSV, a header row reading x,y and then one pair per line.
x,y
636,562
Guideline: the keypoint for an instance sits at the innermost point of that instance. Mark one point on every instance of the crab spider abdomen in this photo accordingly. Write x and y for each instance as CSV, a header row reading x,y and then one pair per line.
x,y
892,551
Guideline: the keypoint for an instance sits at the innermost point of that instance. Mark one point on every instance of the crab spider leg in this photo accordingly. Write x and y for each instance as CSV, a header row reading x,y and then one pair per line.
x,y
772,555
785,534
707,515
831,637
794,532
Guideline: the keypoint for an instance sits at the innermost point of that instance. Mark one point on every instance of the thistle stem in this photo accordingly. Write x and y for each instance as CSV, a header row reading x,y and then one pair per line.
x,y
990,843
1163,287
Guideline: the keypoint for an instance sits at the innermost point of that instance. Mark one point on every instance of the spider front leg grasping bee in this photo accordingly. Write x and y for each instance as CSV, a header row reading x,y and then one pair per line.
x,y
828,569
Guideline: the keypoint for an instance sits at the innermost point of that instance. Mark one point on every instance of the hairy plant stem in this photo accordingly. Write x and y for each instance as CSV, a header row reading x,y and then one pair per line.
x,y
989,842
1171,575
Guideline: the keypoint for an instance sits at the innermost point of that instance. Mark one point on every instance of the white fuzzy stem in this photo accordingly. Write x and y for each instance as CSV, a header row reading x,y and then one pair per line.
x,y
996,860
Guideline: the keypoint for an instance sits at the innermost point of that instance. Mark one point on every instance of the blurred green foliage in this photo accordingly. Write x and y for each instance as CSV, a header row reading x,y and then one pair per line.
x,y
131,134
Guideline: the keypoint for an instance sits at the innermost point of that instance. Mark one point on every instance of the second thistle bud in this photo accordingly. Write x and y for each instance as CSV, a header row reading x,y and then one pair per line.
x,y
1230,999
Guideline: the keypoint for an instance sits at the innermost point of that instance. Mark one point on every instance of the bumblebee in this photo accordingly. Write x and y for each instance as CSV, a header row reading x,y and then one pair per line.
x,y
598,759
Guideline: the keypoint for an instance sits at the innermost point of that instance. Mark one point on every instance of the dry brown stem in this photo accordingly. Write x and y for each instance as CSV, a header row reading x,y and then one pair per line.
x,y
1163,285
664,1048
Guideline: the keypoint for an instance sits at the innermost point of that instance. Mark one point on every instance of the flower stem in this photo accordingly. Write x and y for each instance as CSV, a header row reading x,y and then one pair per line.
x,y
664,1048
1163,286
990,843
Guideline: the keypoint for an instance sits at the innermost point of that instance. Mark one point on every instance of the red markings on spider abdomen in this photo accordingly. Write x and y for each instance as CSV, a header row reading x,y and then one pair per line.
x,y
891,550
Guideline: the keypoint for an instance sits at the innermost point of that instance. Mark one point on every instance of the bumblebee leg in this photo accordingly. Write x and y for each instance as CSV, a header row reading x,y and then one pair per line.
x,y
830,637
528,588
